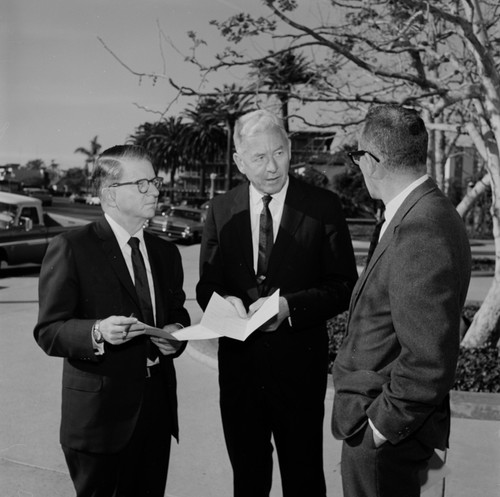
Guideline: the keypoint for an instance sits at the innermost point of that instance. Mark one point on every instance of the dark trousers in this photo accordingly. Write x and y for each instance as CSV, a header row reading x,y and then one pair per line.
x,y
254,416
140,469
387,471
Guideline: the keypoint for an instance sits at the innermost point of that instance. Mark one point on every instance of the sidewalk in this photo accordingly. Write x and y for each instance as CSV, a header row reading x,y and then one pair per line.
x,y
31,461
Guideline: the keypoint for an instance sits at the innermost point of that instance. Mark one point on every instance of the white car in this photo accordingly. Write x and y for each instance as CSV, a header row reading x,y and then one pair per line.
x,y
92,200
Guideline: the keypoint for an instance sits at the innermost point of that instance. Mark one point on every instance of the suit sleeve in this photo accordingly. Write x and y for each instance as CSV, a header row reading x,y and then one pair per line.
x,y
57,332
426,292
331,258
211,270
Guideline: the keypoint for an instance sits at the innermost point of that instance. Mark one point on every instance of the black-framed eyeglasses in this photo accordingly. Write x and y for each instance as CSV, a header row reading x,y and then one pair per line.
x,y
356,156
142,184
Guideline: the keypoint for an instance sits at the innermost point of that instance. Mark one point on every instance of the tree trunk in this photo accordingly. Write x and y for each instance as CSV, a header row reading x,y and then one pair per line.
x,y
471,196
438,159
284,112
203,180
487,318
228,181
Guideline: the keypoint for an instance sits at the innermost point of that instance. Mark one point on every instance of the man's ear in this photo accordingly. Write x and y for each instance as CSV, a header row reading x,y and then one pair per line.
x,y
108,196
239,163
375,169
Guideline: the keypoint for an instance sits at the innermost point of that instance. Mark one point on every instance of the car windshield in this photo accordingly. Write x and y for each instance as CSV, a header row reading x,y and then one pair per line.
x,y
194,216
7,214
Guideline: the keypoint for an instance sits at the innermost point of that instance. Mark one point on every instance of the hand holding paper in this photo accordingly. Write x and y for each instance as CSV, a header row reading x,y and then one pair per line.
x,y
222,319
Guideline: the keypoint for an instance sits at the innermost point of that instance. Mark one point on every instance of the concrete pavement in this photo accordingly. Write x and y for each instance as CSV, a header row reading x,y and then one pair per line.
x,y
32,464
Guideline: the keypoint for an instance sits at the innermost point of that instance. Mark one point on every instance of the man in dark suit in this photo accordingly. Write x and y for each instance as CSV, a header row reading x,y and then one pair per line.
x,y
119,406
396,365
273,384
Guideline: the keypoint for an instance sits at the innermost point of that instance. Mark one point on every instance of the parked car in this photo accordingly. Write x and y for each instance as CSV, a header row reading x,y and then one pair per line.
x,y
92,200
179,222
26,230
40,193
78,198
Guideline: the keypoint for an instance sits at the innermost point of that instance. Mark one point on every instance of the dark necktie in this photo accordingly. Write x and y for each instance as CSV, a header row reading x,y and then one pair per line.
x,y
142,290
266,240
375,238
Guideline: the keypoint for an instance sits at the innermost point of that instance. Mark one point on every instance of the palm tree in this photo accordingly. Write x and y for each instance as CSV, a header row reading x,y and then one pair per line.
x,y
164,141
92,153
205,137
232,101
280,73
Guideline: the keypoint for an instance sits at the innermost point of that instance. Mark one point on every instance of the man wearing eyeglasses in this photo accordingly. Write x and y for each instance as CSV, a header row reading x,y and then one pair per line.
x,y
97,285
397,363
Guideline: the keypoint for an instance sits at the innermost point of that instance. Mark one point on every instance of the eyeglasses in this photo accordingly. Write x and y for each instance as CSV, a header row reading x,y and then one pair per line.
x,y
142,184
356,156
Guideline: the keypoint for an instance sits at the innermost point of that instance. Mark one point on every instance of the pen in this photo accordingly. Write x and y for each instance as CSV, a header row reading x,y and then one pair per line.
x,y
127,329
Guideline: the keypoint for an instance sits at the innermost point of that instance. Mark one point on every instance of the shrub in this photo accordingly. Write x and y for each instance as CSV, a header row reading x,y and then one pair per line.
x,y
478,369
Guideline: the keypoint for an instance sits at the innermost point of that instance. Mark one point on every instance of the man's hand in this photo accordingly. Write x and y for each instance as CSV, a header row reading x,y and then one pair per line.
x,y
168,347
274,323
238,305
120,329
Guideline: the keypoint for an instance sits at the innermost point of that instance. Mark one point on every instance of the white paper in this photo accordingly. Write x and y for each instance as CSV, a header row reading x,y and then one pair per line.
x,y
222,319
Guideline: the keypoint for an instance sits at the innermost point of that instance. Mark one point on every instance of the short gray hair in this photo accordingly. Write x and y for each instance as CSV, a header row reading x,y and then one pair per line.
x,y
255,122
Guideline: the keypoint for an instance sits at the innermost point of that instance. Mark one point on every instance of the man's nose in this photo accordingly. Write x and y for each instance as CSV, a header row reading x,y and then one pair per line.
x,y
272,164
152,190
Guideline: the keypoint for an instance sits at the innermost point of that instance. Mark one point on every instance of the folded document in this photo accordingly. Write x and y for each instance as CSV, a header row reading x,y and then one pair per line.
x,y
222,319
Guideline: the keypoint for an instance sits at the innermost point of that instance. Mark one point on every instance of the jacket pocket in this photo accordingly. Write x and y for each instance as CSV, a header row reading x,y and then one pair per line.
x,y
83,382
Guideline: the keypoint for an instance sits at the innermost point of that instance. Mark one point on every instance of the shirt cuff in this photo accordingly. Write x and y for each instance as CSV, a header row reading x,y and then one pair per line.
x,y
372,426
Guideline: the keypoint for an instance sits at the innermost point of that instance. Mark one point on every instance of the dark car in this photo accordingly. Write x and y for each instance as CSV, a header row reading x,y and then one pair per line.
x,y
179,222
41,193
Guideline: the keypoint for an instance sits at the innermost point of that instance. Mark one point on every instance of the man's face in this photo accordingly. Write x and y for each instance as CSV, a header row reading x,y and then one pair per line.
x,y
264,159
129,202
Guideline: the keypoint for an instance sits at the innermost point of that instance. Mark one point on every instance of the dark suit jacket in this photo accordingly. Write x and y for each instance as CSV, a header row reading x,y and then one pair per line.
x,y
312,263
83,278
397,362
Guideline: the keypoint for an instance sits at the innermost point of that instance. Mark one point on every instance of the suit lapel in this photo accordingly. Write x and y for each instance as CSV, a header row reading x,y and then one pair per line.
x,y
115,257
241,210
388,235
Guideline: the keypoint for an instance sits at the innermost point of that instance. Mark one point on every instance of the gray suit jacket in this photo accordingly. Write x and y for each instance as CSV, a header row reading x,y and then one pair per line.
x,y
397,362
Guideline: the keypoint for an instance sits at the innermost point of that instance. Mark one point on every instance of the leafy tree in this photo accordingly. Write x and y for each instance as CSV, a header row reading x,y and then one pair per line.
x,y
91,153
232,102
442,57
164,140
280,73
35,165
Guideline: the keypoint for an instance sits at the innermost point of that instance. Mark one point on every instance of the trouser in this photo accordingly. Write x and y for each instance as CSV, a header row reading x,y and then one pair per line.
x,y
250,423
387,471
141,467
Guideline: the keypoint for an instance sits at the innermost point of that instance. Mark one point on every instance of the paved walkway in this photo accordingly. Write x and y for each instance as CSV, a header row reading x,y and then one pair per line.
x,y
32,464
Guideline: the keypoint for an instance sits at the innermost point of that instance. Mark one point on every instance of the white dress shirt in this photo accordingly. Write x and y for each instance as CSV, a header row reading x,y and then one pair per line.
x,y
392,207
122,237
276,208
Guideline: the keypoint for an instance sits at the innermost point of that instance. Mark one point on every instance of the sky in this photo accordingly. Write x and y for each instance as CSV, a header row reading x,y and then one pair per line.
x,y
59,86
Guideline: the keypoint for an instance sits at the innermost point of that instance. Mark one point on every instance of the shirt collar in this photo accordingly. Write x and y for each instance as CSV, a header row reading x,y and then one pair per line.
x,y
121,234
392,207
279,197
